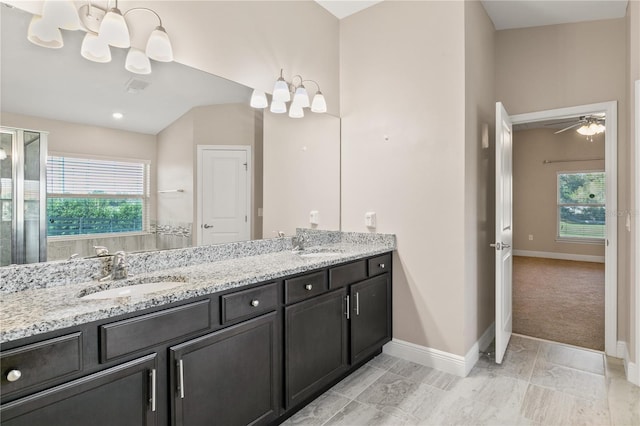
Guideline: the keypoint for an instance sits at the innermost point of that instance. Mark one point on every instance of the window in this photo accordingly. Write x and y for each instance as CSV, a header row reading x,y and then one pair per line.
x,y
89,196
581,206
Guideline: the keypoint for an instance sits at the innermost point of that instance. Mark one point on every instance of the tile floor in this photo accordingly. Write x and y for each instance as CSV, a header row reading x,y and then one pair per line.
x,y
539,383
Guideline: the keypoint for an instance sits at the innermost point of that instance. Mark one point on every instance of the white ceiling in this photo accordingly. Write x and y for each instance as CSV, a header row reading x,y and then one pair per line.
x,y
343,8
60,84
533,13
507,14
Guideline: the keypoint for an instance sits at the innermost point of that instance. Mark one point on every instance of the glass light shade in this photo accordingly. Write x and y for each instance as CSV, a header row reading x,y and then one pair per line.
x,y
301,97
114,30
600,128
137,62
95,49
319,104
296,111
281,91
259,99
61,13
43,33
3,154
278,107
159,46
586,130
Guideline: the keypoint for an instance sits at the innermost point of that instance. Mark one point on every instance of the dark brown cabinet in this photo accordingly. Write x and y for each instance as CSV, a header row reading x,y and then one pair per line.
x,y
370,316
249,356
315,344
230,377
122,395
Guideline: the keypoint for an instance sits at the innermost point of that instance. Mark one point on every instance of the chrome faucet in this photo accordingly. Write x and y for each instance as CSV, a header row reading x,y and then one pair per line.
x,y
119,266
298,242
101,251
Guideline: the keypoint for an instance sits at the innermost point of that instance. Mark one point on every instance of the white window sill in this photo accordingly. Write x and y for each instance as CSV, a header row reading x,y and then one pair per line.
x,y
594,241
96,236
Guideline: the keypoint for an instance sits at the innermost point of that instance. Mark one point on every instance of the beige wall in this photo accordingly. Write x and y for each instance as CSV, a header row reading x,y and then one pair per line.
x,y
402,69
550,67
535,186
229,124
633,40
301,172
479,172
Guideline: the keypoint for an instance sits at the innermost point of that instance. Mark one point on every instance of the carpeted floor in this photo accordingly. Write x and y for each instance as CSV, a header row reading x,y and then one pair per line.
x,y
559,300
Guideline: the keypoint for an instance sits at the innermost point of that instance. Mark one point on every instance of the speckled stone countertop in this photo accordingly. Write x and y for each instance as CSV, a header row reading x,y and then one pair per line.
x,y
38,309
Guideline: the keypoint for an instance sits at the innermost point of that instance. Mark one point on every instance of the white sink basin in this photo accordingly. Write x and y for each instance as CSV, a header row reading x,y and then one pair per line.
x,y
132,290
319,254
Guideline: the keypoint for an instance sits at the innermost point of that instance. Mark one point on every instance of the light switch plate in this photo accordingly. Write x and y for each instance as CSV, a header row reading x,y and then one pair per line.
x,y
314,217
370,219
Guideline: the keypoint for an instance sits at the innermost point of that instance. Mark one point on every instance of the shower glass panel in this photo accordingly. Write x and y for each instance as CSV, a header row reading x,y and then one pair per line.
x,y
6,196
23,197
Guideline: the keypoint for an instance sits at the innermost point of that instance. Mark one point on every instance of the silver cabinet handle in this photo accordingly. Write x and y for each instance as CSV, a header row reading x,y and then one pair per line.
x,y
347,312
505,245
153,389
381,266
255,302
205,226
181,378
308,287
357,303
14,375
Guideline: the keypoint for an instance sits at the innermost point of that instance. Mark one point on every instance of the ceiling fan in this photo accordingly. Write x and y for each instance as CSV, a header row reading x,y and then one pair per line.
x,y
590,123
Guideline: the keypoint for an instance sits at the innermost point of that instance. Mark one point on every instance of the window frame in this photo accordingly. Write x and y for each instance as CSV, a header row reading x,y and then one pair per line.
x,y
559,205
145,197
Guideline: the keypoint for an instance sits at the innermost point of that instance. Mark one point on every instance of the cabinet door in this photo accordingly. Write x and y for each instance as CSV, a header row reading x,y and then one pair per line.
x,y
370,316
122,395
315,344
230,377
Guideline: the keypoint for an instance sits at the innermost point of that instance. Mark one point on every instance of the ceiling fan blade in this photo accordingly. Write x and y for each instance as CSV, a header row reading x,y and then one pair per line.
x,y
569,128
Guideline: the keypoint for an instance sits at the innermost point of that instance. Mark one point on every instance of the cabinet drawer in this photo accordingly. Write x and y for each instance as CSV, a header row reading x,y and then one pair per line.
x,y
379,265
347,274
131,335
249,303
41,362
300,288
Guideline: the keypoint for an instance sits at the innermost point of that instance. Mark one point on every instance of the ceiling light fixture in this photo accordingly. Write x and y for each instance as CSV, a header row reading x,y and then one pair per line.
x,y
284,91
591,128
104,29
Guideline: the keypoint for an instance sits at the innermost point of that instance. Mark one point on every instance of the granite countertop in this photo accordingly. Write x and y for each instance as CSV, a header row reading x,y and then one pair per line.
x,y
34,311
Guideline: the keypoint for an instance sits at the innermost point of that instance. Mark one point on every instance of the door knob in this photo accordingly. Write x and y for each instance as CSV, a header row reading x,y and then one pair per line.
x,y
205,226
498,246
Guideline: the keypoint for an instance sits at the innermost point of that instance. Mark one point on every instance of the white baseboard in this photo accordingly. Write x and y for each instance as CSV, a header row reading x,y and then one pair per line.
x,y
441,360
630,368
561,256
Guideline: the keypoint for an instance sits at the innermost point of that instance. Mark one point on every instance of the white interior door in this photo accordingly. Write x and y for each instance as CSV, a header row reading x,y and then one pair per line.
x,y
224,190
504,230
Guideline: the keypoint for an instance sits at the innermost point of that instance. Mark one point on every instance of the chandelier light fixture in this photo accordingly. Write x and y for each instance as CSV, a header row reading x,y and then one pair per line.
x,y
284,91
104,29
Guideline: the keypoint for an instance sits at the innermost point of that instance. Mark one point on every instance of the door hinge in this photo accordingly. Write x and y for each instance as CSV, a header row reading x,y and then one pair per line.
x,y
245,218
246,168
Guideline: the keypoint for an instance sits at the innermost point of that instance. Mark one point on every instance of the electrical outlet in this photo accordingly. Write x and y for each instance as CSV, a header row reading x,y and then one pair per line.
x,y
530,237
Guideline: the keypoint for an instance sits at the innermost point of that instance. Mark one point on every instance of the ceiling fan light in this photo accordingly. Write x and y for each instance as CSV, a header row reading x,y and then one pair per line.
x,y
259,99
159,46
301,97
319,104
95,49
586,130
278,107
296,111
61,13
137,62
43,33
114,30
281,91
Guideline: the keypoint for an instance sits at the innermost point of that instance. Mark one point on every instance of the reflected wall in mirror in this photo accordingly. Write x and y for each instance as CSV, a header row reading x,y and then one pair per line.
x,y
166,116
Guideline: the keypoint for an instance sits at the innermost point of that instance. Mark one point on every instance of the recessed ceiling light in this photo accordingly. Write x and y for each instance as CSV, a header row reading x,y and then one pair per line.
x,y
117,115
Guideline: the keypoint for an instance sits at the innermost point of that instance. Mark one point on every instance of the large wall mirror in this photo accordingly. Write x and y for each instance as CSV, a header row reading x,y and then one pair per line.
x,y
211,168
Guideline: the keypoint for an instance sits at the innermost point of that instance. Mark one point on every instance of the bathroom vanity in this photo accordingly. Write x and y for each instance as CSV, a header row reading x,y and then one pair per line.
x,y
247,339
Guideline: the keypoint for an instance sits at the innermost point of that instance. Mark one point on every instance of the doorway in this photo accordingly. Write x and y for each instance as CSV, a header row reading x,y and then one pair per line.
x,y
610,226
224,194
